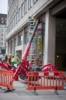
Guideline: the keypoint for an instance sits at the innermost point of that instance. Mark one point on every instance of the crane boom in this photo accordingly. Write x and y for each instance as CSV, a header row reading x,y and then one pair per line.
x,y
21,65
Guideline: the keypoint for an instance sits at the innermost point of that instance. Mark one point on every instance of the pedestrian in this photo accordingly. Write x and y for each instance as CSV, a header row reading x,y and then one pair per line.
x,y
13,61
17,59
9,63
9,58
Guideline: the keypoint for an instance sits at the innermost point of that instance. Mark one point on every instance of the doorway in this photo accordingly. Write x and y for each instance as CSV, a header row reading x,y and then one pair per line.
x,y
60,58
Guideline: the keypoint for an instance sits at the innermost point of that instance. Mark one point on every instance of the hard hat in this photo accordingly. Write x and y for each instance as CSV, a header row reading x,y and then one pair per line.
x,y
10,54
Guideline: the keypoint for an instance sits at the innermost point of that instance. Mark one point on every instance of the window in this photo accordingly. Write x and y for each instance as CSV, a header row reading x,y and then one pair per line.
x,y
15,43
10,25
15,19
13,22
29,4
22,10
0,50
20,39
25,6
35,1
2,20
6,20
18,14
26,39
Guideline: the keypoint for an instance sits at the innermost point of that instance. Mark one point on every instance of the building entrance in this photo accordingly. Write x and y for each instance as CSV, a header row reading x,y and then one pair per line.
x,y
60,60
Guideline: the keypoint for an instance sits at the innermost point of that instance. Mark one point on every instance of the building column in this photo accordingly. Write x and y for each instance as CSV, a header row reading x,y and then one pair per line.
x,y
49,46
17,38
9,47
23,44
13,47
6,48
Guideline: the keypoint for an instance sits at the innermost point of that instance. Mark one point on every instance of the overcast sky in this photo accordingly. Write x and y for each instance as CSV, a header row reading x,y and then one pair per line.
x,y
3,6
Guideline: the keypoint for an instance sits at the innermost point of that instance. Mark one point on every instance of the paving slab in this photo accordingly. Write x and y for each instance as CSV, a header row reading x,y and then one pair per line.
x,y
20,93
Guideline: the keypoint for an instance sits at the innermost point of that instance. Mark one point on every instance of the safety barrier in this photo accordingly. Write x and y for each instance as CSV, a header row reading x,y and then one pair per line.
x,y
6,79
64,80
45,80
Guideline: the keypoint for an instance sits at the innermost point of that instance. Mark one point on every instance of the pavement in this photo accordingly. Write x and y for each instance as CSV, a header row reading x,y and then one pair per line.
x,y
20,93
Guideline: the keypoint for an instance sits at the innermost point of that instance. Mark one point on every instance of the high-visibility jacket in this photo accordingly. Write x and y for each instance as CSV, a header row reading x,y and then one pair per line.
x,y
17,59
13,60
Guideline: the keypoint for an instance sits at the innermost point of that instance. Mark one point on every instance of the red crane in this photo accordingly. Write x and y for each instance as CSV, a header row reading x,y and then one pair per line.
x,y
22,68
